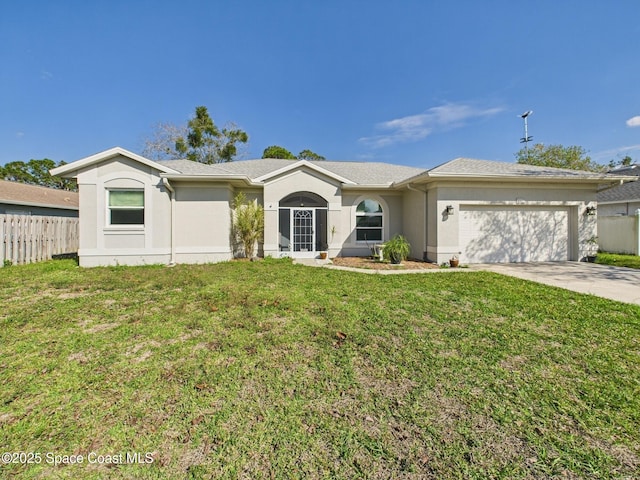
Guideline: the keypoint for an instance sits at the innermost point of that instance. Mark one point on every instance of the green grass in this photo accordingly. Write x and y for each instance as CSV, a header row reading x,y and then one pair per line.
x,y
273,370
619,260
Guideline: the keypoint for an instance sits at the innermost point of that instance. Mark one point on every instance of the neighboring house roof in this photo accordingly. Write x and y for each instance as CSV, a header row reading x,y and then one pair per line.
x,y
631,170
15,193
627,192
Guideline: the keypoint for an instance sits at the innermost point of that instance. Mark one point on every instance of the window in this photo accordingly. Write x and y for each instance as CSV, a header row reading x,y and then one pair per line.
x,y
369,221
126,207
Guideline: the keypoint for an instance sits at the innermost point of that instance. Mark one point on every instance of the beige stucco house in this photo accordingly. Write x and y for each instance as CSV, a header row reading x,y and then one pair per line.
x,y
135,211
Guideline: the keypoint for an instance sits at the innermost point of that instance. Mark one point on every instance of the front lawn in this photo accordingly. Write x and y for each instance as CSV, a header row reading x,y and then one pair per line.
x,y
273,370
619,260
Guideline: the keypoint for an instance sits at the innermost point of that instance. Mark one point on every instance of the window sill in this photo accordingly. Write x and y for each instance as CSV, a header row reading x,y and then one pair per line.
x,y
116,229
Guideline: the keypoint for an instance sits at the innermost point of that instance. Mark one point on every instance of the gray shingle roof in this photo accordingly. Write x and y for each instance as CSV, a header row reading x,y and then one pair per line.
x,y
626,192
468,166
188,167
376,173
632,170
361,173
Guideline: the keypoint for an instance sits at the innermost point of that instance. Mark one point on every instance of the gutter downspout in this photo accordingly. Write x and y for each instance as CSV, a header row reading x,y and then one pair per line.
x,y
426,219
172,197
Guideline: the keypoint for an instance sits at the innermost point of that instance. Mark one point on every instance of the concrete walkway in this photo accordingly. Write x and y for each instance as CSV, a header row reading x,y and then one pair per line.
x,y
615,283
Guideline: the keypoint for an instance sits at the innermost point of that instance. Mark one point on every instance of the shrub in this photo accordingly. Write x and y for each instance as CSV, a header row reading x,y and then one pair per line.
x,y
248,223
397,249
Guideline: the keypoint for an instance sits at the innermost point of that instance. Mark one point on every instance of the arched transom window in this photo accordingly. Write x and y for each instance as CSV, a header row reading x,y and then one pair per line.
x,y
369,221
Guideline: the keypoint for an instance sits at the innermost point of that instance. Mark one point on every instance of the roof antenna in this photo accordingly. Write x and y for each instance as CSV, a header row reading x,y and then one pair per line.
x,y
526,139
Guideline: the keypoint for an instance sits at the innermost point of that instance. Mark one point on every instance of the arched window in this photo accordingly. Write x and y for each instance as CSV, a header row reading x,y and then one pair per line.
x,y
369,221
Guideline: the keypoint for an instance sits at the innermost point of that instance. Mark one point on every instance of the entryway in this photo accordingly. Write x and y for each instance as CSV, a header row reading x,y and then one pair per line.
x,y
302,221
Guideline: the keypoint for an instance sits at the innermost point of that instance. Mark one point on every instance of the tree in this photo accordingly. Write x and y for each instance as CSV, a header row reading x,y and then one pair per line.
x,y
36,172
625,162
200,140
162,144
309,155
248,223
558,156
276,151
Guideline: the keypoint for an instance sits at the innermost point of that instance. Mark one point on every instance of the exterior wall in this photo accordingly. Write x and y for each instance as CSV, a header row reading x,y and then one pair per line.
x,y
13,209
621,208
444,231
305,180
414,215
202,214
104,244
203,222
392,220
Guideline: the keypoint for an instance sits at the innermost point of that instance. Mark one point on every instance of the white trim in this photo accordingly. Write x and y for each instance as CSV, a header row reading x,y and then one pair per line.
x,y
96,252
309,253
124,226
304,163
106,155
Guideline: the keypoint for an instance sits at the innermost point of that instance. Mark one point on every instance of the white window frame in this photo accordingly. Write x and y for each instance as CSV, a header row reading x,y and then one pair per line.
x,y
109,208
372,214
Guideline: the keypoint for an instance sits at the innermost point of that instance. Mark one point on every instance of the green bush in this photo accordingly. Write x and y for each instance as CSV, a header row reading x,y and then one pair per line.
x,y
248,223
397,249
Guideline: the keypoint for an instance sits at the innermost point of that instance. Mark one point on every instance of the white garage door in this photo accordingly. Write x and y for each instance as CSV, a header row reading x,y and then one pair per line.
x,y
513,234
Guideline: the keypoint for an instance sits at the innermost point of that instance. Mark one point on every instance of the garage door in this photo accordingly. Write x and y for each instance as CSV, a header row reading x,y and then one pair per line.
x,y
514,234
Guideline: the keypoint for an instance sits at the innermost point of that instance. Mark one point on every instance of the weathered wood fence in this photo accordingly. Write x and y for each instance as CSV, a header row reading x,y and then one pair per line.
x,y
35,238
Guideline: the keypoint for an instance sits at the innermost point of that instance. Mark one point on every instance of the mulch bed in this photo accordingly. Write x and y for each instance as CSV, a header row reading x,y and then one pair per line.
x,y
370,264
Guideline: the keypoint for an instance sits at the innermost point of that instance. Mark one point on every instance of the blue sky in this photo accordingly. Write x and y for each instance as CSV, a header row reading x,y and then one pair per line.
x,y
410,82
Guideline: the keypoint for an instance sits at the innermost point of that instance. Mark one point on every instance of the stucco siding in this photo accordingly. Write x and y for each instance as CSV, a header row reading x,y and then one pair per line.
x,y
203,221
445,230
104,244
303,180
415,222
392,222
622,208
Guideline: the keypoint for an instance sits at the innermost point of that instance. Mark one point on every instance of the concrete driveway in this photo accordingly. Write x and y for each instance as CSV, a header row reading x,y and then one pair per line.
x,y
615,283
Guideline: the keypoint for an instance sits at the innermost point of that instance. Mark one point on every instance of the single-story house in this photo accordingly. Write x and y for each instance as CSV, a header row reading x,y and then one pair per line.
x,y
135,211
623,199
618,224
23,199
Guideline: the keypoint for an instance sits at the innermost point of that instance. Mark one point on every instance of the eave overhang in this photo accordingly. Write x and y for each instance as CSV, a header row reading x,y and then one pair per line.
x,y
231,179
70,170
603,179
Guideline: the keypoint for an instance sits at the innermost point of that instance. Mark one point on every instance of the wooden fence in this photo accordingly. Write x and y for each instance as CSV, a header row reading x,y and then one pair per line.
x,y
35,238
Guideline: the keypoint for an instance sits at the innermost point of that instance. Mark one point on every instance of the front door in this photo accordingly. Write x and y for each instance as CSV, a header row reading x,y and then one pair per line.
x,y
303,232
